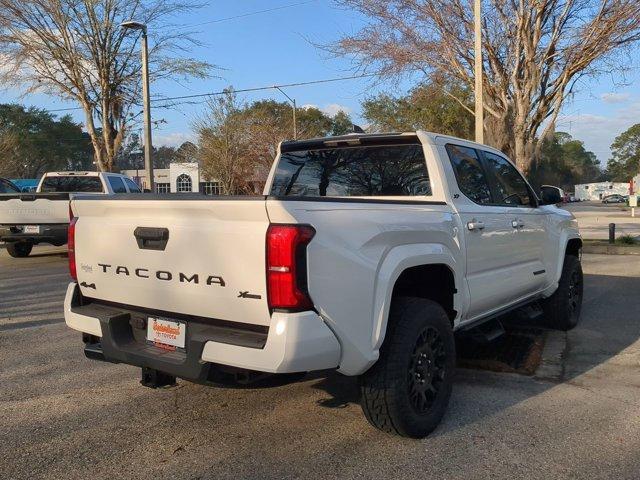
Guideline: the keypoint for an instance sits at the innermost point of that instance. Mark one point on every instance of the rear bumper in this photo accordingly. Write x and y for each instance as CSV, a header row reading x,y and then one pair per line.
x,y
295,342
55,234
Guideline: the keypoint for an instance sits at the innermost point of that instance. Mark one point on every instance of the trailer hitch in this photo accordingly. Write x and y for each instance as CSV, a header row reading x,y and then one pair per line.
x,y
153,378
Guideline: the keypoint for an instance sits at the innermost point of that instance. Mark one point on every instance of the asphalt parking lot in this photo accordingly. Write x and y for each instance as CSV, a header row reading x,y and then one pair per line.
x,y
594,219
63,416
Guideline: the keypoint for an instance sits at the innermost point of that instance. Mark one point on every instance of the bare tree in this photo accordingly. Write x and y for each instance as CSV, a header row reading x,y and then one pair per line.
x,y
76,49
534,53
270,122
238,142
224,144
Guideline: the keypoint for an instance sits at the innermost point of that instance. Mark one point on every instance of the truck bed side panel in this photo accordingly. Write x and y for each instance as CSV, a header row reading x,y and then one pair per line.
x,y
353,238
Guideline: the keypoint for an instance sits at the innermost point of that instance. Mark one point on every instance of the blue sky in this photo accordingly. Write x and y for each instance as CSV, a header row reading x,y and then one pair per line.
x,y
277,47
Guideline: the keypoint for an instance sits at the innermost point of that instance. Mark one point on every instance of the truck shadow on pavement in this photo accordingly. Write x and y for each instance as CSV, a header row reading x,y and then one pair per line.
x,y
608,326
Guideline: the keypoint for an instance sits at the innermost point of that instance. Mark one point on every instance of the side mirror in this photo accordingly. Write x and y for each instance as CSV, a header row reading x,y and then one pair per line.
x,y
550,195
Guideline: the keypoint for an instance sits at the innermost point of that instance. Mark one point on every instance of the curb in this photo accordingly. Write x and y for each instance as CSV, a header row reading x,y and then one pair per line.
x,y
551,367
610,250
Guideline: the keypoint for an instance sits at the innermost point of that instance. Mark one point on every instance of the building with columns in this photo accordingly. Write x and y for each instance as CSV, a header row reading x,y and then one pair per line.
x,y
178,178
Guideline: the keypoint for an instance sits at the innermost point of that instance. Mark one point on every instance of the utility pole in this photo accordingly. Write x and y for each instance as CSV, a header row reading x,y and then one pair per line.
x,y
148,145
479,109
293,103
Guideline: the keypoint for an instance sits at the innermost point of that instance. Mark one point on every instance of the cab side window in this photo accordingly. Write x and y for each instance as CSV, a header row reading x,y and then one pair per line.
x,y
470,174
508,185
117,185
133,187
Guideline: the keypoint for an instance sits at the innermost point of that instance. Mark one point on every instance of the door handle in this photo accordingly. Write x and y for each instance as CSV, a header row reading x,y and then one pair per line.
x,y
475,225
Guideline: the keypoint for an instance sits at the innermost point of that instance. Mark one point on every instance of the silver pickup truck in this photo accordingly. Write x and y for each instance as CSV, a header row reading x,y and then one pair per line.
x,y
28,219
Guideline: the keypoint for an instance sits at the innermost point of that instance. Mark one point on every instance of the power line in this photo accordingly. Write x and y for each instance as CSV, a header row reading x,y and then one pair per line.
x,y
269,87
64,109
248,14
241,90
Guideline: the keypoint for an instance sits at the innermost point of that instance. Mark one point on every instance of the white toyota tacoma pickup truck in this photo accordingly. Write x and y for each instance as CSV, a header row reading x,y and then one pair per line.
x,y
365,254
27,219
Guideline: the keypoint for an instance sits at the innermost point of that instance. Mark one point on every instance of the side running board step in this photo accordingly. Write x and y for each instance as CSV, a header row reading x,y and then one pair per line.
x,y
487,332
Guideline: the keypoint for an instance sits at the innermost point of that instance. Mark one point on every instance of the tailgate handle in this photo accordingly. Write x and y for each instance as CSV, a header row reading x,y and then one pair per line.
x,y
151,238
28,197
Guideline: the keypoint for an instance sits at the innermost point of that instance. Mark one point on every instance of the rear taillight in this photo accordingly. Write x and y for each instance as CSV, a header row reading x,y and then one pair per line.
x,y
71,245
287,267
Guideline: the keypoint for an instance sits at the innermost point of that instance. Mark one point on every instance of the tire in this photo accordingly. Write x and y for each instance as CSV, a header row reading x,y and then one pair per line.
x,y
400,394
19,249
562,309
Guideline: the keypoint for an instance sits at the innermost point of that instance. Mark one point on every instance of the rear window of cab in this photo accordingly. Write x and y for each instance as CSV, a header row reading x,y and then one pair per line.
x,y
388,170
69,184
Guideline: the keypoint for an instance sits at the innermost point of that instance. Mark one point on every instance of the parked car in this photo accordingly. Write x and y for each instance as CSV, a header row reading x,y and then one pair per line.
x,y
615,198
28,219
364,255
7,186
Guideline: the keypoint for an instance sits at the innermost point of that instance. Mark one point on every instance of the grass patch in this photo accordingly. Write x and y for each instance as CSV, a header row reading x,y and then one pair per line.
x,y
626,240
622,241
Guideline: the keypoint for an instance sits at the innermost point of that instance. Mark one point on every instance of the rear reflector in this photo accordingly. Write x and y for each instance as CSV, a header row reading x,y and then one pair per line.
x,y
287,267
71,246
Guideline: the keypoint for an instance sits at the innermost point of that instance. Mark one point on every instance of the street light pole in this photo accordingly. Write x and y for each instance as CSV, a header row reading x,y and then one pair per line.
x,y
148,145
479,109
293,102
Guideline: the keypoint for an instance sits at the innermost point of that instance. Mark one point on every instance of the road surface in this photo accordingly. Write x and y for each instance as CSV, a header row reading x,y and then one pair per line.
x,y
65,417
594,219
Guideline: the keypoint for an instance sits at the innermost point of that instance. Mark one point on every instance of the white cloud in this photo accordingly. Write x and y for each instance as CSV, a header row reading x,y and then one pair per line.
x,y
330,109
613,97
172,139
333,108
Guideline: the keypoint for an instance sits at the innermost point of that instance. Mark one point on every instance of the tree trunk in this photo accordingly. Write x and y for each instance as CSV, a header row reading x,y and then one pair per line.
x,y
519,140
98,151
499,134
525,151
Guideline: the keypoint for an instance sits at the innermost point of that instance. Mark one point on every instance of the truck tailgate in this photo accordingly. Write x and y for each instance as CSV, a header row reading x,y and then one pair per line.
x,y
203,257
34,208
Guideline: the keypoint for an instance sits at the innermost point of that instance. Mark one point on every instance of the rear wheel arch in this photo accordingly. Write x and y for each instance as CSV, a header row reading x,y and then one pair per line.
x,y
416,261
429,281
435,282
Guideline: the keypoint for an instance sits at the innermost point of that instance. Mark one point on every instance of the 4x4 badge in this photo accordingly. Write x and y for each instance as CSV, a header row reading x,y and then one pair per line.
x,y
88,285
